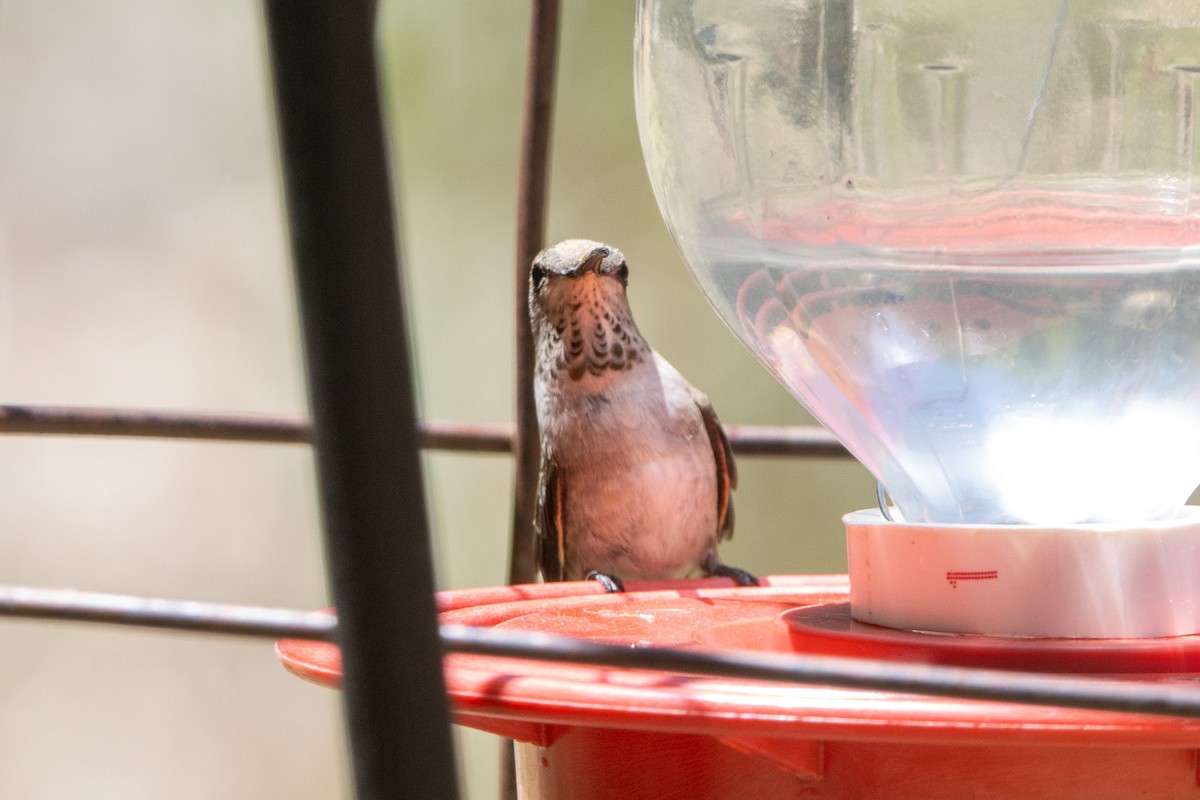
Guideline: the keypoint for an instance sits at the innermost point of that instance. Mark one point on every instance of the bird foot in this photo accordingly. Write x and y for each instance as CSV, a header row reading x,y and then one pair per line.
x,y
714,568
611,583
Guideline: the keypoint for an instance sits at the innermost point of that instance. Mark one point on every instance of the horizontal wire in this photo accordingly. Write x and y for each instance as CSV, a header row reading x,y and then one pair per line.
x,y
153,612
1146,697
755,440
811,441
967,683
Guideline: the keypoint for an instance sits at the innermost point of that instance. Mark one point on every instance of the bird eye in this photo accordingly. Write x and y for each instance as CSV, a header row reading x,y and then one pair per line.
x,y
537,275
623,273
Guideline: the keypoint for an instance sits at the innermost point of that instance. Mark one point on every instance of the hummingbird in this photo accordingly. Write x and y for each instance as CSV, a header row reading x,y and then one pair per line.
x,y
636,472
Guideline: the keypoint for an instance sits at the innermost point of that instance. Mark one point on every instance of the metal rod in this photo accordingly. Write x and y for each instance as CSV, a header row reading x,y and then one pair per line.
x,y
531,234
74,421
356,349
154,612
1168,699
1144,697
812,441
747,440
532,186
474,438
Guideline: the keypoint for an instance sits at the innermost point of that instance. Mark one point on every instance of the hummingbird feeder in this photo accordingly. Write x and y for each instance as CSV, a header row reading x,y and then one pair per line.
x,y
966,237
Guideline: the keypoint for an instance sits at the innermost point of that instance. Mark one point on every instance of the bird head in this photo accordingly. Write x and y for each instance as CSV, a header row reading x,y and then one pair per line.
x,y
579,312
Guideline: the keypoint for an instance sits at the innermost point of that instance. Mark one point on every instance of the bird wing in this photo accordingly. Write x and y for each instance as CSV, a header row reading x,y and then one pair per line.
x,y
723,457
548,522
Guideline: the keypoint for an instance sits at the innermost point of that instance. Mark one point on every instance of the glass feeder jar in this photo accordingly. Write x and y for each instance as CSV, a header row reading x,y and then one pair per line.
x,y
965,236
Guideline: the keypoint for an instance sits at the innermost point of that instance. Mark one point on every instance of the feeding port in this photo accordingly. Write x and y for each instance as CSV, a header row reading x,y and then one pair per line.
x,y
588,732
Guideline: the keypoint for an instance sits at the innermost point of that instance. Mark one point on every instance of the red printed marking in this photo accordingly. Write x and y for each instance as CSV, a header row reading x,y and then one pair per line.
x,y
978,575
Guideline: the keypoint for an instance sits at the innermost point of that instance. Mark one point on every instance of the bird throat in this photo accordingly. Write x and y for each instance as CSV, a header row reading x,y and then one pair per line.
x,y
592,334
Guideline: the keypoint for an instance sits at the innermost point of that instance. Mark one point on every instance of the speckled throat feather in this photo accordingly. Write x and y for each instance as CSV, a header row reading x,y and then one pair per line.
x,y
591,334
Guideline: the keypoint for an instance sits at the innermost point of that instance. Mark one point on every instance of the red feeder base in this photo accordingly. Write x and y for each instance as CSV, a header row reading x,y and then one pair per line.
x,y
588,733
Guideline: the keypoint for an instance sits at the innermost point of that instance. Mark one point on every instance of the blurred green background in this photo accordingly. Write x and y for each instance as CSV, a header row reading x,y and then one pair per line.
x,y
143,264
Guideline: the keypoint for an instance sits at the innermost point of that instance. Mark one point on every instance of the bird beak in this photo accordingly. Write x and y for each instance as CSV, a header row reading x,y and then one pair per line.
x,y
593,261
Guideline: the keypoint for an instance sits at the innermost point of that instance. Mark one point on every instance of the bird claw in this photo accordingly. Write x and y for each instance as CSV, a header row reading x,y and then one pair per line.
x,y
611,583
741,577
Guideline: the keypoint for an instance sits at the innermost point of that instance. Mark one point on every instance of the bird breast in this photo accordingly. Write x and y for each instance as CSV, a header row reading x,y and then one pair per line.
x,y
641,414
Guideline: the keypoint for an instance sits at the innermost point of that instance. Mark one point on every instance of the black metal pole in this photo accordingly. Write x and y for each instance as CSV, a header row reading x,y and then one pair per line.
x,y
360,385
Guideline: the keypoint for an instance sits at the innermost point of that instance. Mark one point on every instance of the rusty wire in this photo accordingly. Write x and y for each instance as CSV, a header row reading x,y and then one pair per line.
x,y
747,440
532,186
